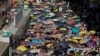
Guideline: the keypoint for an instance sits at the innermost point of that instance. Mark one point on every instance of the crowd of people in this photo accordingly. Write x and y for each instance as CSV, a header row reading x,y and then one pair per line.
x,y
56,31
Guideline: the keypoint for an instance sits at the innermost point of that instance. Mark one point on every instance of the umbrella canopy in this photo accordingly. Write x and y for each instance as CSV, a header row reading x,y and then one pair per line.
x,y
71,49
29,43
26,2
48,11
83,41
82,32
48,3
55,19
21,48
37,41
76,41
92,52
77,38
69,10
92,32
77,20
76,16
51,14
88,39
75,30
32,23
63,29
46,7
70,22
45,22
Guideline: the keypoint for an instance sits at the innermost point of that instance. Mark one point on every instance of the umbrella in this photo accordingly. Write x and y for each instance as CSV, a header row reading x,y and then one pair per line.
x,y
77,20
75,30
29,43
76,16
26,2
77,38
37,41
50,21
92,32
59,35
69,11
45,22
64,21
51,14
71,49
46,7
56,10
92,52
48,3
48,11
55,19
38,20
21,48
49,45
32,23
82,32
83,41
70,22
76,41
63,29
88,39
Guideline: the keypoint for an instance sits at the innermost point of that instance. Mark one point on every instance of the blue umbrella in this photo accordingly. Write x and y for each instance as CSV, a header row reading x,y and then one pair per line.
x,y
38,20
79,48
71,49
75,30
36,41
88,39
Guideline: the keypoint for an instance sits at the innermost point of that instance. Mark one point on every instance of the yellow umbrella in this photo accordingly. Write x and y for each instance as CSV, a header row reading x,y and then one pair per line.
x,y
21,48
29,38
56,10
26,2
58,35
37,4
48,3
83,41
49,45
69,10
76,16
48,11
63,29
76,41
92,32
15,0
77,38
82,32
46,7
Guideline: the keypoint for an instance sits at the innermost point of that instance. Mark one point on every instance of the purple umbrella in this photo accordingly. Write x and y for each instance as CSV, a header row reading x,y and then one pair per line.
x,y
91,44
29,43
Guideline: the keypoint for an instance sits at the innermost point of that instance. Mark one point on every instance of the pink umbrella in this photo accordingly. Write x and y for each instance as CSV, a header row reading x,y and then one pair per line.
x,y
70,22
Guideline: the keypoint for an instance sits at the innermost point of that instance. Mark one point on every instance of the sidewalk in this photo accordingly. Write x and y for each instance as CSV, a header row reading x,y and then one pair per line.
x,y
12,28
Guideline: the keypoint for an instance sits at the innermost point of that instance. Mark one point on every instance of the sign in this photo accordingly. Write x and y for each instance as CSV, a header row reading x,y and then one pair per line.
x,y
25,7
6,33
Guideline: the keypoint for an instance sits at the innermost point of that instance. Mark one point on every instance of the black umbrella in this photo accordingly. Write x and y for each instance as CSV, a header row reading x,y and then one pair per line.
x,y
93,52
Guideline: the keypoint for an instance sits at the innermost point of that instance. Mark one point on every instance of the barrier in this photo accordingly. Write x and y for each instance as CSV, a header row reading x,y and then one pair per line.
x,y
18,16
